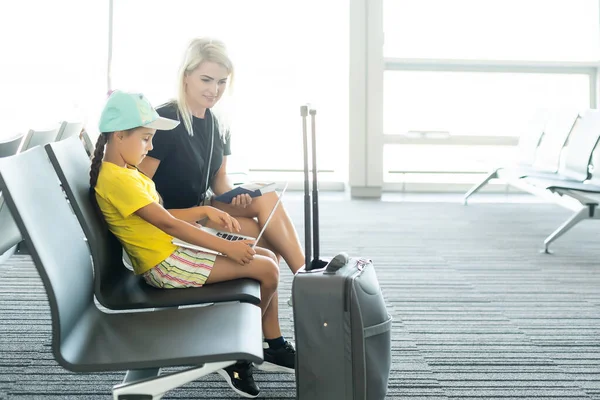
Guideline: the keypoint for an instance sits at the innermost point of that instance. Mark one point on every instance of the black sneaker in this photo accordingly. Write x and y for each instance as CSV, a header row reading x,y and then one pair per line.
x,y
239,376
282,359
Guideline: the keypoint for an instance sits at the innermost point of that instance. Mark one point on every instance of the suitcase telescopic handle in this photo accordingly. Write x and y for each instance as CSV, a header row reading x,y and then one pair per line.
x,y
307,210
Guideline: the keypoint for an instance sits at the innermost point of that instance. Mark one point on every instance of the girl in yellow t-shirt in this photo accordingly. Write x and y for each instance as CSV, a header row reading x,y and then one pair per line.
x,y
131,207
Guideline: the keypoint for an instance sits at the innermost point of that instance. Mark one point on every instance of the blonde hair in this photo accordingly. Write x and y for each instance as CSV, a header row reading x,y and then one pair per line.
x,y
200,50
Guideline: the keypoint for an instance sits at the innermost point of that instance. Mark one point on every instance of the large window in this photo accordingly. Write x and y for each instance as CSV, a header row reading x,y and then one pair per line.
x,y
53,64
286,53
476,72
475,103
441,163
561,30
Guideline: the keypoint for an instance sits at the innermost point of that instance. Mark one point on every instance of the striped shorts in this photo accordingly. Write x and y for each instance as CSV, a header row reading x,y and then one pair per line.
x,y
184,268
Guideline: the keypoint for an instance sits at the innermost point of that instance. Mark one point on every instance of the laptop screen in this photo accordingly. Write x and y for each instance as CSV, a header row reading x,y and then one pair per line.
x,y
270,215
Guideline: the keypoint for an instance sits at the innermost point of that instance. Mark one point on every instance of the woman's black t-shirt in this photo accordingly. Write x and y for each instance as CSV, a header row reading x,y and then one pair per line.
x,y
181,175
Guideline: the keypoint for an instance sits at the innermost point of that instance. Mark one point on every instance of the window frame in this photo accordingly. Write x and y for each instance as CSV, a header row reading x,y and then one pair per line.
x,y
366,118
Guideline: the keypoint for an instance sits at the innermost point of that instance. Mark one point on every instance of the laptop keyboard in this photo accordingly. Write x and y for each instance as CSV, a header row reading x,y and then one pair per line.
x,y
229,236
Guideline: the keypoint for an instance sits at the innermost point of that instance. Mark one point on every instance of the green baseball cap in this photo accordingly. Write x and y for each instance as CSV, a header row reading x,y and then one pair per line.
x,y
125,111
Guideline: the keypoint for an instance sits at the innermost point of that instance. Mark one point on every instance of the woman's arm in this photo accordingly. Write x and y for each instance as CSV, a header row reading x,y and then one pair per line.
x,y
156,215
221,183
148,166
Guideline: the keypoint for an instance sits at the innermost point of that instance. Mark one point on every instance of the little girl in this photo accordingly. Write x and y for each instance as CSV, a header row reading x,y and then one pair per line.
x,y
134,214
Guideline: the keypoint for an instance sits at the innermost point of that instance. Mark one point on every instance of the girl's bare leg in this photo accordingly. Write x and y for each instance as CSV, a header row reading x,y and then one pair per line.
x,y
266,272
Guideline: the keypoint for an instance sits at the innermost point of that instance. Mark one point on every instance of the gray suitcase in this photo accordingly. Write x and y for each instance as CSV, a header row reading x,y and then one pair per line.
x,y
341,324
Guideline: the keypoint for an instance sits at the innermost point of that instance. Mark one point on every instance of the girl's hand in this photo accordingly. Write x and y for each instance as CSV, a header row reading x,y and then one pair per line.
x,y
223,219
241,251
241,201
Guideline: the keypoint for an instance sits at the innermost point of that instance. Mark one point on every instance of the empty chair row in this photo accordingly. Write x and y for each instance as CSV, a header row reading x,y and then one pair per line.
x,y
556,162
9,233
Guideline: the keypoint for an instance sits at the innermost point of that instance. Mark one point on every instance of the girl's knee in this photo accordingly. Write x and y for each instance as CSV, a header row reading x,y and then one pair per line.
x,y
268,271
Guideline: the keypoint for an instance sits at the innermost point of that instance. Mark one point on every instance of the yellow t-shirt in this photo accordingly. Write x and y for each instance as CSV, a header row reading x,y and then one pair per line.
x,y
120,193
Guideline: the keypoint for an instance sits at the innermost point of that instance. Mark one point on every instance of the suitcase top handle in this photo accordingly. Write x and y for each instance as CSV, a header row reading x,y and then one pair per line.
x,y
337,262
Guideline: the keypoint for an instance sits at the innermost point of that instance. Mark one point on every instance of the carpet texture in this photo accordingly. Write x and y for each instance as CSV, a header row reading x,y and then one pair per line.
x,y
478,312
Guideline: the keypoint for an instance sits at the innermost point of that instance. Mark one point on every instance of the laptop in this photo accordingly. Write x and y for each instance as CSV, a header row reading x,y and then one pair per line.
x,y
230,235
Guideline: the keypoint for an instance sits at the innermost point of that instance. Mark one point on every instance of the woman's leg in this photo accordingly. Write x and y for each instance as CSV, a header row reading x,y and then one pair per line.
x,y
280,233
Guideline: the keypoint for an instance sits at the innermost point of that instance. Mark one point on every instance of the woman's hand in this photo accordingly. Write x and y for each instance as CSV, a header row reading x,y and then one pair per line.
x,y
241,251
223,219
241,201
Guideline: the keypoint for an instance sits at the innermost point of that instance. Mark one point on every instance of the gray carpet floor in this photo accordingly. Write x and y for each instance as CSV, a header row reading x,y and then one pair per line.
x,y
478,312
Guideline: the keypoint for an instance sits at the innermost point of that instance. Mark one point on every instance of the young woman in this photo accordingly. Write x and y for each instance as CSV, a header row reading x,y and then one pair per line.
x,y
189,163
133,211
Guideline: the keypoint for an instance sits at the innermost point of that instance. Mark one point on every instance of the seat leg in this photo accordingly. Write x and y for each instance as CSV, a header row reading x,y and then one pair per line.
x,y
580,215
135,375
150,386
491,175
